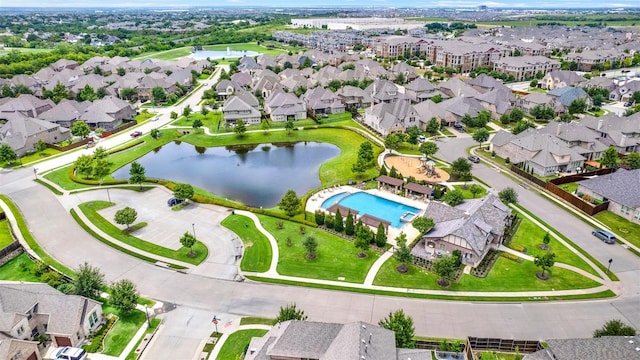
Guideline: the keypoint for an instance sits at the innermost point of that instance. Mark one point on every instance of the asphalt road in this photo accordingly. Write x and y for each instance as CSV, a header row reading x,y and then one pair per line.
x,y
199,298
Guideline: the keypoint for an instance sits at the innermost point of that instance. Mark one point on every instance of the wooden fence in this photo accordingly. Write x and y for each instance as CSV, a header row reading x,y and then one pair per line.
x,y
502,345
120,128
78,144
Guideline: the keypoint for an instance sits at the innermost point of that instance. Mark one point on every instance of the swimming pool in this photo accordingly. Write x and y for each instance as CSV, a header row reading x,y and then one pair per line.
x,y
373,205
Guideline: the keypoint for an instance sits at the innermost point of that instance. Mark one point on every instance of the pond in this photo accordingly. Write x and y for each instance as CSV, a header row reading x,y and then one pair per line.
x,y
212,54
256,175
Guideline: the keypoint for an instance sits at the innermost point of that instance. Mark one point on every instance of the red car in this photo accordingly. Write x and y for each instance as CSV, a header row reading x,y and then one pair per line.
x,y
136,133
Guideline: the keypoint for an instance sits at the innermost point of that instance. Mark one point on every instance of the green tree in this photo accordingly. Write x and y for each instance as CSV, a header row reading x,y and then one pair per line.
x,y
311,245
155,133
188,240
197,124
381,236
289,312
521,126
183,191
59,93
128,93
516,115
80,128
124,295
89,281
289,125
126,216
349,224
546,240
423,224
7,154
338,224
87,93
366,152
633,160
364,235
403,253
101,93
460,166
265,127
433,126
400,79
41,146
445,268
101,168
402,326
290,203
359,167
578,106
158,94
508,196
83,165
121,71
100,153
481,135
137,174
615,327
545,262
453,197
186,111
475,190
610,158
6,91
428,148
173,115
437,98
393,141
412,135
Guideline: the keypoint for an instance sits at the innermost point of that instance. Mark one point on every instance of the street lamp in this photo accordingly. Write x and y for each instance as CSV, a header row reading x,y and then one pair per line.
x,y
609,267
193,226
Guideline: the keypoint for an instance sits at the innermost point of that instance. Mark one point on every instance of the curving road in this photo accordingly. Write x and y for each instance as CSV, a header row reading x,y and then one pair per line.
x,y
199,298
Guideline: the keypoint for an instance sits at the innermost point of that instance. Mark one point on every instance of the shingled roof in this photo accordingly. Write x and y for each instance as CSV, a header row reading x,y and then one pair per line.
x,y
620,186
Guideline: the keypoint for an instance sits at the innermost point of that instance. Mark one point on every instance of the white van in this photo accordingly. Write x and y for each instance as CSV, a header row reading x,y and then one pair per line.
x,y
70,353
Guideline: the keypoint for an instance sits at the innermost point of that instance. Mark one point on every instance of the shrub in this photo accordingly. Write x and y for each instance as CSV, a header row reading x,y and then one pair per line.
x,y
96,342
511,257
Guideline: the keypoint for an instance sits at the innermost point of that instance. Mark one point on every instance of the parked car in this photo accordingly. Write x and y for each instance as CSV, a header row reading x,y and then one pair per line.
x,y
136,133
174,201
474,159
421,138
628,103
604,235
459,127
70,353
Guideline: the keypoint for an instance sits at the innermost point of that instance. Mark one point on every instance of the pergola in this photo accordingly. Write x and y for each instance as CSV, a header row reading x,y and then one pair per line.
x,y
414,188
388,180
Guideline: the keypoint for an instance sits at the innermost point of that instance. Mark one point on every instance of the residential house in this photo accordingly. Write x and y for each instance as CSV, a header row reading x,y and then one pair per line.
x,y
454,87
498,101
244,106
322,101
569,94
19,349
226,88
65,113
22,133
622,133
407,71
429,110
544,153
386,118
601,348
25,104
354,98
473,227
560,78
620,188
32,309
625,90
384,91
282,106
108,113
420,90
484,83
147,83
530,101
64,64
578,137
600,82
525,67
296,339
456,108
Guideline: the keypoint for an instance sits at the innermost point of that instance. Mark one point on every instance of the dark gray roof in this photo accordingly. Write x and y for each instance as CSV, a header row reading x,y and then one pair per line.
x,y
603,348
620,186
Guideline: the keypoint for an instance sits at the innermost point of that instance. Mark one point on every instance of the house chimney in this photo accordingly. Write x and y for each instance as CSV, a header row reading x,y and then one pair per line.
x,y
558,129
623,140
370,334
600,123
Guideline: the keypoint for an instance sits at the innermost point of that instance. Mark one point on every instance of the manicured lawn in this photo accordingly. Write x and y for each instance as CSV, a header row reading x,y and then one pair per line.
x,y
257,250
488,355
569,187
256,320
122,331
628,230
211,120
506,275
90,210
530,236
61,177
13,270
467,194
336,257
236,343
5,51
333,172
24,230
5,234
172,54
251,46
133,354
144,116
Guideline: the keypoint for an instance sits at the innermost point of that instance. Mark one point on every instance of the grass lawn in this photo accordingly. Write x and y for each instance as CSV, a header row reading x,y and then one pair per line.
x,y
569,187
333,172
621,226
506,275
24,230
122,331
236,343
337,257
172,54
5,234
530,236
7,50
467,194
211,120
247,320
250,46
133,355
491,355
13,271
144,116
257,250
90,210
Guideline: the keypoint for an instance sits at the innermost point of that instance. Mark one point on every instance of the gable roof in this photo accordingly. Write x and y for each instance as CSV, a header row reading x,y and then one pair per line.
x,y
567,94
620,186
19,128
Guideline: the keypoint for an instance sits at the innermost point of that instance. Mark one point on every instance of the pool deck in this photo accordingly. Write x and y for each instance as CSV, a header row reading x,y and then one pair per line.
x,y
315,203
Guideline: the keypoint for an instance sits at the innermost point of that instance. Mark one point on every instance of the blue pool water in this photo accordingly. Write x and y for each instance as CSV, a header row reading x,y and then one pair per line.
x,y
372,205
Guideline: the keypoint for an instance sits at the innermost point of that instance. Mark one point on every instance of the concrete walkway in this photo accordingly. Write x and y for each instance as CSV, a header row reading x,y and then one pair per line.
x,y
373,271
275,252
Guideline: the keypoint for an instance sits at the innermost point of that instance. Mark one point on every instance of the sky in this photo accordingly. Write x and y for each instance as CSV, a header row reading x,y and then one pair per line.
x,y
322,3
